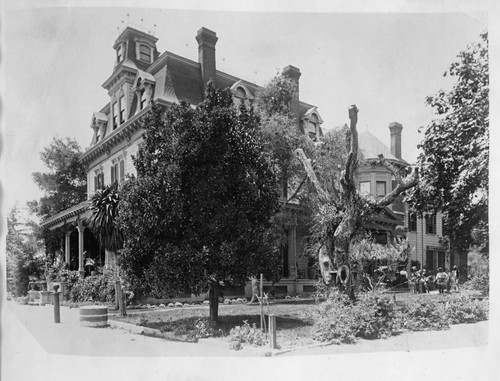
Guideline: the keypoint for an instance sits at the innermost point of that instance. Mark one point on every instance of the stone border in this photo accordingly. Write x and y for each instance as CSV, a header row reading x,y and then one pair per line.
x,y
146,331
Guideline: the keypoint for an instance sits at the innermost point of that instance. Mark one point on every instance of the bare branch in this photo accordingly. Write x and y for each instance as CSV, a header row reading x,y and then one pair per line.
x,y
352,159
403,184
297,190
311,175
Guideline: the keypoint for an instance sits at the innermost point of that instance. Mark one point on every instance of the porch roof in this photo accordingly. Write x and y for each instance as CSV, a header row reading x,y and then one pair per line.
x,y
70,215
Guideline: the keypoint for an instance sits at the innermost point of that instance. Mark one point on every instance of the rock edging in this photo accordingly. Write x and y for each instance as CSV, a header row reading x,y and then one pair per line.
x,y
146,331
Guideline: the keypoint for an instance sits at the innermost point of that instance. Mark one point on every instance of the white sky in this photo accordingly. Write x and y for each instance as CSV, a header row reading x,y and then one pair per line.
x,y
56,59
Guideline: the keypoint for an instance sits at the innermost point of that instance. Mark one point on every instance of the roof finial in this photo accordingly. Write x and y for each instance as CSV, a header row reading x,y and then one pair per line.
x,y
154,30
128,19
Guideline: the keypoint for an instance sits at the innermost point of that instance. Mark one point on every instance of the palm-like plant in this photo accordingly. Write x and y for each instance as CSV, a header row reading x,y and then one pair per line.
x,y
103,208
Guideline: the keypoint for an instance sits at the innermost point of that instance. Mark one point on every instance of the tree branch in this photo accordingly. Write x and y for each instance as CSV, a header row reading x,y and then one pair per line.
x,y
403,184
323,196
352,159
297,190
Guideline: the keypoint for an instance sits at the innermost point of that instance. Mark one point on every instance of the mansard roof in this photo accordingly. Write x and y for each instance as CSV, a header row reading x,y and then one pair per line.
x,y
370,146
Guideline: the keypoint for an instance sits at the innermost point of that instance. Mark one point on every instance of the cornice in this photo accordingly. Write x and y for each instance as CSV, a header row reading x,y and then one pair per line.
x,y
63,217
120,72
124,132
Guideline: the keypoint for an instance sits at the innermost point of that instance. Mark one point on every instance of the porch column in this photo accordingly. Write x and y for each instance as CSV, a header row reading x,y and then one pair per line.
x,y
81,269
292,255
67,247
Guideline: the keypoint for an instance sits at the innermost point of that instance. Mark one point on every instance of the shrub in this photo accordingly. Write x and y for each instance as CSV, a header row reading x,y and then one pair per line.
x,y
205,328
376,316
95,288
479,283
245,334
424,314
335,320
463,308
371,316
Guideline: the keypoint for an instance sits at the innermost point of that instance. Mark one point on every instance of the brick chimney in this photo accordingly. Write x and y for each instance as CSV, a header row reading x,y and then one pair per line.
x,y
294,74
396,129
206,53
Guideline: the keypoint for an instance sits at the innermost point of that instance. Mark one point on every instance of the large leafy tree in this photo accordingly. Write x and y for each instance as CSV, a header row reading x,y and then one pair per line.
x,y
22,248
198,215
64,185
455,152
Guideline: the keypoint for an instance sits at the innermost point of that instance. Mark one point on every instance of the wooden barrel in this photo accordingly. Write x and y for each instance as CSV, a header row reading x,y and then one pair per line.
x,y
94,316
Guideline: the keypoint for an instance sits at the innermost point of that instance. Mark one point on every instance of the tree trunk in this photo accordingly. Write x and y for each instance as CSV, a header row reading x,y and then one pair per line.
x,y
213,297
344,274
462,264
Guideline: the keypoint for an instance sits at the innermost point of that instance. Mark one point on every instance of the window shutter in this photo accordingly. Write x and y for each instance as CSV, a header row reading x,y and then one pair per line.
x,y
113,176
122,171
95,184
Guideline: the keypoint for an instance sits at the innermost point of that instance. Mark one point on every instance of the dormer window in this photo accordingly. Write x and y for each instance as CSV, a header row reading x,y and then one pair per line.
x,y
145,53
241,95
313,127
143,90
311,124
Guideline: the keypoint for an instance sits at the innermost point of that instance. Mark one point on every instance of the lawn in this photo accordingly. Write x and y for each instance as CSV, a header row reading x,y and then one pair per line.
x,y
293,319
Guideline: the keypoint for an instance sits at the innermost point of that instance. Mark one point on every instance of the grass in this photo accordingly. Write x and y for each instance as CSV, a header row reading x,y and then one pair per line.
x,y
293,319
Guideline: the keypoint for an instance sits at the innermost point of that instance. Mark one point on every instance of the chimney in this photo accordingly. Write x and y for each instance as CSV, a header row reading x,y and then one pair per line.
x,y
396,129
206,53
294,74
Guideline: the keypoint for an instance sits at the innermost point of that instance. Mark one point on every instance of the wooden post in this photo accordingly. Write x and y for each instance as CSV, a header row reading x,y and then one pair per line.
x,y
272,332
119,296
57,312
261,300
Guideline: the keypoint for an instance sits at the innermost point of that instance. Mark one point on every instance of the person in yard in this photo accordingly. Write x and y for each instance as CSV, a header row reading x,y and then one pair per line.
x,y
415,280
453,279
424,287
441,280
255,289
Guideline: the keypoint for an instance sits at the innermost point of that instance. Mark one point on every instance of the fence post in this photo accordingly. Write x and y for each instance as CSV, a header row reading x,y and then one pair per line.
x,y
119,295
57,312
272,331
